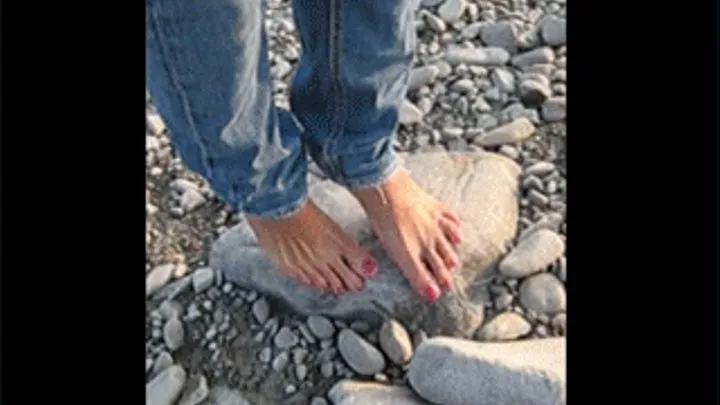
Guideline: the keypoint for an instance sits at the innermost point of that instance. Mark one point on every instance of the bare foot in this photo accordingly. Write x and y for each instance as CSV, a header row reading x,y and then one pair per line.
x,y
417,231
312,249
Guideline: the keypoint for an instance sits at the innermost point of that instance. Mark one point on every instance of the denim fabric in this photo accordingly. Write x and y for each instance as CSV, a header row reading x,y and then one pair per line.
x,y
208,75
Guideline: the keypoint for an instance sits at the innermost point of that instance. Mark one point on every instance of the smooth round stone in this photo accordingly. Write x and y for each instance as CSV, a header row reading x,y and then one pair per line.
x,y
505,326
320,326
395,342
359,354
543,294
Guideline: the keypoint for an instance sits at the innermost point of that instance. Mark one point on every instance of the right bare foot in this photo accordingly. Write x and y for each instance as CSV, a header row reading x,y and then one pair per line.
x,y
312,249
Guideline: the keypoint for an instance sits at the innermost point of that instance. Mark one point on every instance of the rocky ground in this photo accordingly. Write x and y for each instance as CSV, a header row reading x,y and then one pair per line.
x,y
488,75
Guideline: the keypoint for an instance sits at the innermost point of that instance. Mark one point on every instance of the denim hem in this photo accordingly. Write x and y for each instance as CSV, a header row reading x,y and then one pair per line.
x,y
372,180
283,212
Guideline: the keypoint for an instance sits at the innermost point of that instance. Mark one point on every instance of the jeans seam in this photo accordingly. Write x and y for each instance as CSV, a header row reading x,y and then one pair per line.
x,y
338,112
165,53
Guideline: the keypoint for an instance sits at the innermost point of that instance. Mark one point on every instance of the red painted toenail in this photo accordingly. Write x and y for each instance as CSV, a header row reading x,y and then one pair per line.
x,y
369,267
432,293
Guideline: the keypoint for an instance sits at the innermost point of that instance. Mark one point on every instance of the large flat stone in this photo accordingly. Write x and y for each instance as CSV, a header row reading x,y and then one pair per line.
x,y
480,187
462,372
348,392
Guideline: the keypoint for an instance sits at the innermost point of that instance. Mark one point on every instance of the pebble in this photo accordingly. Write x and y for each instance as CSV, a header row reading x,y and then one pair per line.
x,y
320,326
162,362
537,198
409,113
301,372
326,369
532,254
512,132
395,342
463,86
451,10
450,133
305,332
191,199
482,106
280,361
540,168
155,124
504,80
419,337
500,34
165,388
444,68
503,301
261,310
533,57
251,296
559,323
359,354
505,326
170,309
196,390
543,294
476,56
148,364
318,401
421,76
554,109
561,270
299,354
265,355
290,389
158,277
202,279
436,23
285,339
554,30
534,92
543,69
509,151
360,326
560,75
541,331
532,182
174,334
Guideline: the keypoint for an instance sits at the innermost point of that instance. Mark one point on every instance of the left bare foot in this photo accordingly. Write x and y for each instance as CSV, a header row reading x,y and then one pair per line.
x,y
417,231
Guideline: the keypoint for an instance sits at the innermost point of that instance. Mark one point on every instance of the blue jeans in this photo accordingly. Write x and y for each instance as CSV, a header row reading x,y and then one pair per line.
x,y
208,75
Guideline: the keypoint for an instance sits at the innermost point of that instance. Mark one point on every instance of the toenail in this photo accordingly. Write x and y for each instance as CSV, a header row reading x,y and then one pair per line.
x,y
431,292
369,267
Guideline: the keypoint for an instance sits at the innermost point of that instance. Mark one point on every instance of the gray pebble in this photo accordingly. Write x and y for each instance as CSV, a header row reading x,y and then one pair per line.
x,y
165,388
327,369
419,337
534,57
500,34
515,131
532,182
560,75
280,361
476,56
494,94
435,23
395,342
148,364
320,326
307,335
421,76
202,279
450,133
261,310
534,92
318,401
444,68
360,326
207,305
561,270
472,30
537,198
451,10
359,354
544,69
554,30
251,296
170,309
158,277
478,71
154,124
533,253
174,334
227,288
540,168
561,62
409,113
265,355
503,301
425,105
290,389
505,326
285,339
541,331
543,294
509,151
554,109
163,361
301,372
463,86
504,80
299,354
482,106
